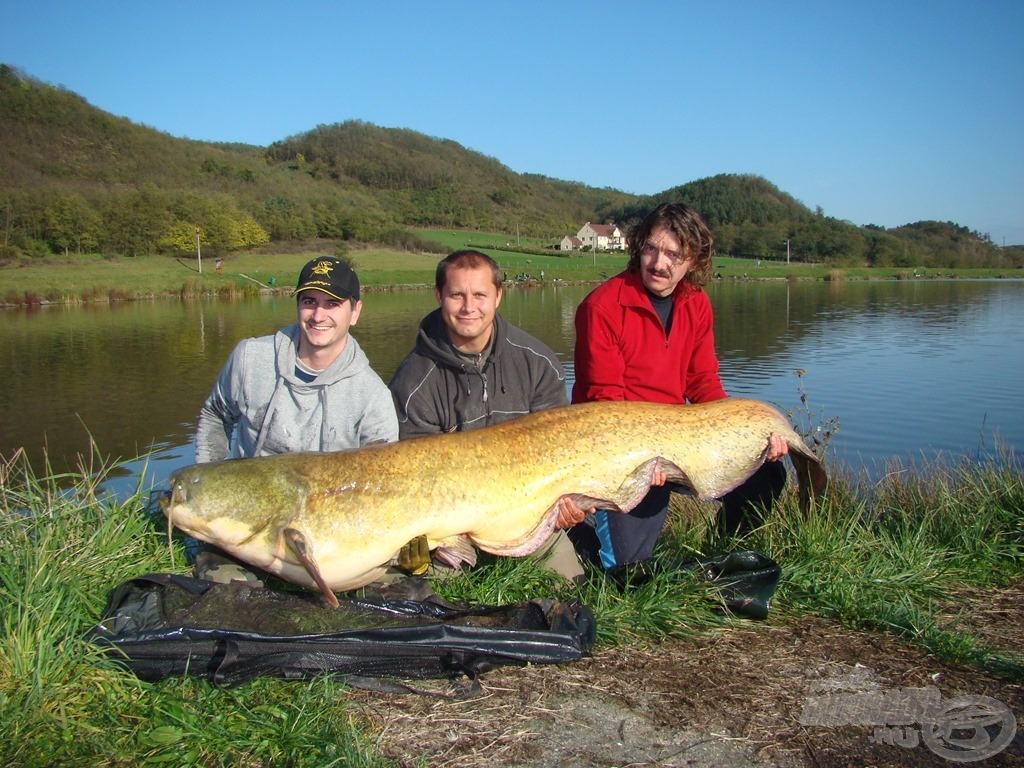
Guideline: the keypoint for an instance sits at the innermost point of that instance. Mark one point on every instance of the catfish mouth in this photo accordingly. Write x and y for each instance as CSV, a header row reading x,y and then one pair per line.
x,y
221,530
185,522
171,506
174,508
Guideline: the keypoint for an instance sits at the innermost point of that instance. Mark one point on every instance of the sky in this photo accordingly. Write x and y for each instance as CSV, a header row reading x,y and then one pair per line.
x,y
878,112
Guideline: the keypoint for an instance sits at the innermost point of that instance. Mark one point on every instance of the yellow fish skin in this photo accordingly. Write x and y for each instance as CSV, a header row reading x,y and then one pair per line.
x,y
335,521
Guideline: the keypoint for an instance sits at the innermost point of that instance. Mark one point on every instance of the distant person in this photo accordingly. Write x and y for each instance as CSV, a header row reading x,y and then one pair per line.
x,y
470,368
646,334
308,387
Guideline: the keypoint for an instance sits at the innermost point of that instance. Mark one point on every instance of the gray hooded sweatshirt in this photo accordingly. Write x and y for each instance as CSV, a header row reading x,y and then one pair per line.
x,y
258,407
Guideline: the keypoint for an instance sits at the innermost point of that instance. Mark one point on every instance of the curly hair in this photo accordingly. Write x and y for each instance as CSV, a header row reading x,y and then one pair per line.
x,y
689,227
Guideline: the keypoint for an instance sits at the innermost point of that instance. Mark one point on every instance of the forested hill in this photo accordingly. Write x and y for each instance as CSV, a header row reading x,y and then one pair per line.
x,y
75,178
428,182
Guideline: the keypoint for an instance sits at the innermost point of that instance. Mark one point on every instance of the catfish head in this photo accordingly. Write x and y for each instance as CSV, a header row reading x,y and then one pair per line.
x,y
236,505
247,507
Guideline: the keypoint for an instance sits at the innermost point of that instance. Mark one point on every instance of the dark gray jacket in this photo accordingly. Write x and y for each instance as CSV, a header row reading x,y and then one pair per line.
x,y
437,390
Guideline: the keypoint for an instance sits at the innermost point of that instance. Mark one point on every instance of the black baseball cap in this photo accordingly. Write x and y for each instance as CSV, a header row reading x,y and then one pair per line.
x,y
332,276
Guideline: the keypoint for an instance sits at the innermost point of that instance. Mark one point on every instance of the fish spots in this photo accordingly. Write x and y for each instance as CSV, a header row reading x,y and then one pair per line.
x,y
499,485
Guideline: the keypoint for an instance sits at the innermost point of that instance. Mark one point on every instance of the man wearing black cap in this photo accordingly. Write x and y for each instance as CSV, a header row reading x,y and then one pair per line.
x,y
308,387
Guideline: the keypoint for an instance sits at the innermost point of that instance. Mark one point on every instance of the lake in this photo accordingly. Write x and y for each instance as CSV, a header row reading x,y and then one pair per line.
x,y
912,370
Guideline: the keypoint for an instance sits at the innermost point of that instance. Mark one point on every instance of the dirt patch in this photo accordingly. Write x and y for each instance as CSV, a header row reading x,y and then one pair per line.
x,y
991,615
732,698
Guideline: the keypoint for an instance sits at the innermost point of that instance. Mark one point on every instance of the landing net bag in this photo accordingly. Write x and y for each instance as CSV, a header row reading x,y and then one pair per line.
x,y
162,625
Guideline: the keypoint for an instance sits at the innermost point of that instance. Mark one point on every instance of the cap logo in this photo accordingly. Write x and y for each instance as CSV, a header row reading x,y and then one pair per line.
x,y
323,268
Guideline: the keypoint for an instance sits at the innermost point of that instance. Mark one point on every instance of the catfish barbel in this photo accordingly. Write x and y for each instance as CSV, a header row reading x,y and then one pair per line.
x,y
335,521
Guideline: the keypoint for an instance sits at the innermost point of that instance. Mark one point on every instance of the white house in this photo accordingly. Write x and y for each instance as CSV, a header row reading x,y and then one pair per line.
x,y
570,243
600,237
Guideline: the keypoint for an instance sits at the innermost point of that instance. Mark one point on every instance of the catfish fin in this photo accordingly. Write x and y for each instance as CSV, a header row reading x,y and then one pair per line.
x,y
675,474
298,544
455,550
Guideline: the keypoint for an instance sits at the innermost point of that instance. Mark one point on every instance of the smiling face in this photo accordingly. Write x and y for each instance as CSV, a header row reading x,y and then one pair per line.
x,y
324,322
468,302
664,261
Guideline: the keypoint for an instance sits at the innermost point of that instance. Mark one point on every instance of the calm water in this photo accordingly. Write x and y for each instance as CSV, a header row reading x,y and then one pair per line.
x,y
911,370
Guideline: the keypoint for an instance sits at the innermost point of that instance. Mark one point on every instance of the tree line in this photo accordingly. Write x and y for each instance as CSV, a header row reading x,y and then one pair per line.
x,y
76,179
749,216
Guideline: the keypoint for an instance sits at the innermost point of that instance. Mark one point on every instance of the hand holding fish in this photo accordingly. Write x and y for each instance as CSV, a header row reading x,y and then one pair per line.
x,y
568,513
777,447
414,557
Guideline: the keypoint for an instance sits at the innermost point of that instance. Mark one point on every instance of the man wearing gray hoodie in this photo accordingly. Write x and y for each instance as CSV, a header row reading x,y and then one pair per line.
x,y
308,387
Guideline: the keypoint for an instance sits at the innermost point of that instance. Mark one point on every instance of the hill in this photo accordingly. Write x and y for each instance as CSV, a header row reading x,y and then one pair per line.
x,y
428,182
75,178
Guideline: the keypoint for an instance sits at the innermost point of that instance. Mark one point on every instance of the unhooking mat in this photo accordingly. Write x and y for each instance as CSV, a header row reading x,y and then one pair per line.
x,y
163,625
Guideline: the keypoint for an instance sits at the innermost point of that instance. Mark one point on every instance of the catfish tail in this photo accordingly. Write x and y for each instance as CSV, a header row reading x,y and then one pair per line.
x,y
811,478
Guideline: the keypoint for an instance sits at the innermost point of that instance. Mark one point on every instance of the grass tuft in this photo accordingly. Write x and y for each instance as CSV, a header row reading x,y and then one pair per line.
x,y
65,703
894,557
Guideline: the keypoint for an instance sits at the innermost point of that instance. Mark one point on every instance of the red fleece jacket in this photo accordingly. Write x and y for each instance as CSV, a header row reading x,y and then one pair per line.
x,y
623,353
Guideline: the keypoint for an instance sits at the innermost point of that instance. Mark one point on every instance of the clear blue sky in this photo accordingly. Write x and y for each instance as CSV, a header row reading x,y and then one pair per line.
x,y
880,112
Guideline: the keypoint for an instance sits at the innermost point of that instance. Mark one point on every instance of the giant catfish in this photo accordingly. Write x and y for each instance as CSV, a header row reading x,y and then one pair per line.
x,y
335,521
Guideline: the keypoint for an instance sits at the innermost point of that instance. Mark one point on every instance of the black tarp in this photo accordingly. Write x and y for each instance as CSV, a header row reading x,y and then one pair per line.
x,y
162,625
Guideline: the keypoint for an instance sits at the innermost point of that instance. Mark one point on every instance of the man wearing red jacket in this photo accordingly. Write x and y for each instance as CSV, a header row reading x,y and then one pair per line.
x,y
647,334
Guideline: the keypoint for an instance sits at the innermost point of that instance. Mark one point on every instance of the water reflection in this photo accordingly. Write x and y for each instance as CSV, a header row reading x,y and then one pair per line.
x,y
909,369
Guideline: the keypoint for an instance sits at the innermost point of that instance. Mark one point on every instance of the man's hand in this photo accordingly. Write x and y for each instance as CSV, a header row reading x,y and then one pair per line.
x,y
777,447
414,557
568,513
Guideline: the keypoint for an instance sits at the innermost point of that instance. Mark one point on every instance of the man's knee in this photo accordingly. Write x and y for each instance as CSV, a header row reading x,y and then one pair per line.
x,y
559,555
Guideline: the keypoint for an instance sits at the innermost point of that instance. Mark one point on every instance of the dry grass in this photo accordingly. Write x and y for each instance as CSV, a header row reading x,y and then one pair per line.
x,y
729,697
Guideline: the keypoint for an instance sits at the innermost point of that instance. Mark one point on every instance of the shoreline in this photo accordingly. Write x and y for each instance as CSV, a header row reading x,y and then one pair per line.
x,y
113,295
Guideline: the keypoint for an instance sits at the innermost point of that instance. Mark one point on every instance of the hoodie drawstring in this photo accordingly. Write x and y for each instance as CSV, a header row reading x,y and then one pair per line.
x,y
324,435
501,376
483,378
